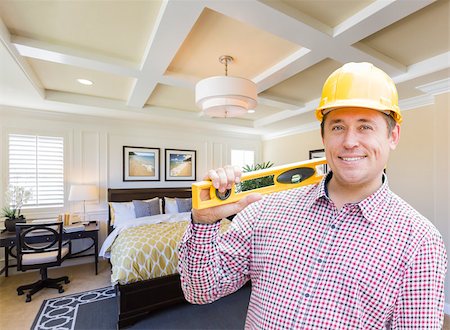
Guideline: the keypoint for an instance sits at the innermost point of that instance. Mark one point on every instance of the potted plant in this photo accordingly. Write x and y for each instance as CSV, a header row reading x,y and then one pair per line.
x,y
16,197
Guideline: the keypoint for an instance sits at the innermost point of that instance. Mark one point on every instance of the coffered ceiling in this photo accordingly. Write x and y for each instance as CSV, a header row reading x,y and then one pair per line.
x,y
145,57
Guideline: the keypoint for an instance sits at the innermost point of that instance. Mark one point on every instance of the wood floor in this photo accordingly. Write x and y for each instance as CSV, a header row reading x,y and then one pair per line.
x,y
18,315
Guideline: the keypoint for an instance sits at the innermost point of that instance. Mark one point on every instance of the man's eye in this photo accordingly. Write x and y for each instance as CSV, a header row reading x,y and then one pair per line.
x,y
337,128
366,127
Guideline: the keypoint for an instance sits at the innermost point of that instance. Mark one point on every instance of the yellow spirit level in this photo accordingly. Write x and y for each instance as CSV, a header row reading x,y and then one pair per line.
x,y
285,177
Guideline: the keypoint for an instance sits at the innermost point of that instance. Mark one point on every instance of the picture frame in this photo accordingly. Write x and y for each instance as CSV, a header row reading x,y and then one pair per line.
x,y
319,153
141,164
181,165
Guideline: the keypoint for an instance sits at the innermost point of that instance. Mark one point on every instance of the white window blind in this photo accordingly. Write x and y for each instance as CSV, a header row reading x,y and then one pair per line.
x,y
242,157
37,163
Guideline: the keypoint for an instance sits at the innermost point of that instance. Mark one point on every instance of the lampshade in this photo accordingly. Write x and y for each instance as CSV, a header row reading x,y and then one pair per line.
x,y
225,96
83,192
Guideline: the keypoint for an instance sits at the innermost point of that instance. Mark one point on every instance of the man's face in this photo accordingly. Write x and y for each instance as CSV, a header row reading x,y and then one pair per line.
x,y
357,145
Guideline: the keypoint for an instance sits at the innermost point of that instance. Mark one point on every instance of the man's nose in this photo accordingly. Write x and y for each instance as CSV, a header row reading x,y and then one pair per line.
x,y
351,139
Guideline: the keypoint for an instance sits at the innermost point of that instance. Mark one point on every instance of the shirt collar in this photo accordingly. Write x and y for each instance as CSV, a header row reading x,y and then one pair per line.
x,y
368,206
321,189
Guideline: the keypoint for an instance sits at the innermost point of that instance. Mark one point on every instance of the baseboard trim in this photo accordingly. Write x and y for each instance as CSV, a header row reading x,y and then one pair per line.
x,y
447,309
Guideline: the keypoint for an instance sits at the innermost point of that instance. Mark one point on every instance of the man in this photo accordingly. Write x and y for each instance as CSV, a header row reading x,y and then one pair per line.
x,y
346,253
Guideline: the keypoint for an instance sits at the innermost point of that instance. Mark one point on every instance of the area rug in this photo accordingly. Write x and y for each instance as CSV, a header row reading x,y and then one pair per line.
x,y
97,309
61,313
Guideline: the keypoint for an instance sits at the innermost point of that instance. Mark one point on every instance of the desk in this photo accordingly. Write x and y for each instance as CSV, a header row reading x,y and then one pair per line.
x,y
8,241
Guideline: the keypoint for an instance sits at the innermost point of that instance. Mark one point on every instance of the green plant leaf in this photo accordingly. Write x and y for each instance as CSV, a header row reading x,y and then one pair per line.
x,y
258,182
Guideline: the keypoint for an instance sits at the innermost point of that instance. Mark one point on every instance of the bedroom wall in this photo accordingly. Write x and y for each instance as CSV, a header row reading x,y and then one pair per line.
x,y
94,152
292,148
418,170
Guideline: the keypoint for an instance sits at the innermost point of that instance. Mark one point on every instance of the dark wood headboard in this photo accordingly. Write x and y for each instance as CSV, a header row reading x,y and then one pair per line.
x,y
127,195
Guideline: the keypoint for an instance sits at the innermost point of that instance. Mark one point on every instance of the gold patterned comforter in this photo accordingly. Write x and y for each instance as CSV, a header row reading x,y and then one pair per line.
x,y
148,251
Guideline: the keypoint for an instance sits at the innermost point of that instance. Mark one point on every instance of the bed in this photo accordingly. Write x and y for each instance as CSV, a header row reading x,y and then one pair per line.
x,y
137,299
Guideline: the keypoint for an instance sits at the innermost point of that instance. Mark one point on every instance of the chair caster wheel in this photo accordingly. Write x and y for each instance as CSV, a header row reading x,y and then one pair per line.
x,y
19,293
60,290
28,299
67,281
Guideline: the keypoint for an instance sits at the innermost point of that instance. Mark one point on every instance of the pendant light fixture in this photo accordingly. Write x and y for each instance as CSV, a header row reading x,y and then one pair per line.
x,y
225,96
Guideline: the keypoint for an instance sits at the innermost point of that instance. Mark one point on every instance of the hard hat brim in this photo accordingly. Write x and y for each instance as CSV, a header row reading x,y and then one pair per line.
x,y
392,110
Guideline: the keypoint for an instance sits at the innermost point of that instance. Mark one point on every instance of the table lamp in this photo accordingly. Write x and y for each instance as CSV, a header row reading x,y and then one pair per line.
x,y
83,192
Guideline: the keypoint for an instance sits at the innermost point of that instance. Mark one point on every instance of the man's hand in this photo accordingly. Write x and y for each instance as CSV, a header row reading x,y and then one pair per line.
x,y
222,179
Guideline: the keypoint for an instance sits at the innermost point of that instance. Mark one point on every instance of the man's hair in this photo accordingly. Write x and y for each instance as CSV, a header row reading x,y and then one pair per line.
x,y
390,123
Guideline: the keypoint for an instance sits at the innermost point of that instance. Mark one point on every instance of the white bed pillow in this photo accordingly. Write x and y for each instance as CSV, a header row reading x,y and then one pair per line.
x,y
121,212
170,205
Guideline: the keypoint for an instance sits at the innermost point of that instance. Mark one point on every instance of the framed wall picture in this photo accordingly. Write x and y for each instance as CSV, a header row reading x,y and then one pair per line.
x,y
180,165
319,153
140,164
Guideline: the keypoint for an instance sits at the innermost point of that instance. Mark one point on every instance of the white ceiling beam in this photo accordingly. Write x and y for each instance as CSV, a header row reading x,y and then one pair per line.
x,y
276,22
279,102
375,17
282,115
286,68
25,68
168,35
430,65
338,46
283,24
64,55
179,80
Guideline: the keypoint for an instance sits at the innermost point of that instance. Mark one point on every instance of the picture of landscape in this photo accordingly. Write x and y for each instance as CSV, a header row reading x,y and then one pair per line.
x,y
140,164
180,165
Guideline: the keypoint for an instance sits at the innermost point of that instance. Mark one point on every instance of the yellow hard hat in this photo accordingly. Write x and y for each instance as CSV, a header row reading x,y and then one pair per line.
x,y
360,85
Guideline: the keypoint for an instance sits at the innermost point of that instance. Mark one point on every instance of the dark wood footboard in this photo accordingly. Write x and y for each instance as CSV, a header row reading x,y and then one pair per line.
x,y
136,300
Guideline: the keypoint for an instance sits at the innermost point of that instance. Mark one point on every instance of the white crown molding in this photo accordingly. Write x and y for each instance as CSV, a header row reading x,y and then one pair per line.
x,y
416,102
436,87
297,130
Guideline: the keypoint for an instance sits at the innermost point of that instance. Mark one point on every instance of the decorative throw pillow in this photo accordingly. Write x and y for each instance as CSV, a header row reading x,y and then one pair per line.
x,y
144,209
170,205
184,204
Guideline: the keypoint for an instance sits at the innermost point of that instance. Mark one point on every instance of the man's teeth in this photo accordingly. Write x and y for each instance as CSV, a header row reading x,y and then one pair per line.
x,y
351,159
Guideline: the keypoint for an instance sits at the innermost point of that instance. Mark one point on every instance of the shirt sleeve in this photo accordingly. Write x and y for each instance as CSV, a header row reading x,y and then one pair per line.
x,y
211,265
421,300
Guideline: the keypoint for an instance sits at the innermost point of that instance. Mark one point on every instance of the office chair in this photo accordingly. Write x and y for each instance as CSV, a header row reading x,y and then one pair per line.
x,y
40,246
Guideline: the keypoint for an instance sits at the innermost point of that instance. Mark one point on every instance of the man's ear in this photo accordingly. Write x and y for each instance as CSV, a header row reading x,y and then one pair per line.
x,y
395,137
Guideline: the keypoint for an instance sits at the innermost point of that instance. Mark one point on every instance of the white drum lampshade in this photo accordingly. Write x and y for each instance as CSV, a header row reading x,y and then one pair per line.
x,y
225,96
83,192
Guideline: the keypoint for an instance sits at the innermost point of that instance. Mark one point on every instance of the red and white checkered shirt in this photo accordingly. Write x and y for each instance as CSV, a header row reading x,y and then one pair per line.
x,y
375,264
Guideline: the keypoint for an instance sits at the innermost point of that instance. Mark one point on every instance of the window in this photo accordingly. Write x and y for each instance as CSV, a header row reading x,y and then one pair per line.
x,y
242,157
37,163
